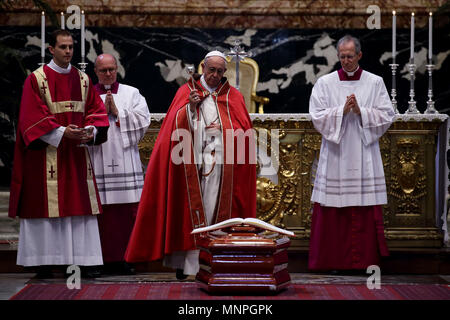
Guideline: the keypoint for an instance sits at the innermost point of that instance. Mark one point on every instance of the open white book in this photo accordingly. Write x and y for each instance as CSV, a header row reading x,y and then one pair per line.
x,y
238,221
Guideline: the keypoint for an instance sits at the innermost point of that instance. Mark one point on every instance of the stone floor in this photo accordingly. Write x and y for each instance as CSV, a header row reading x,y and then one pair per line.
x,y
11,283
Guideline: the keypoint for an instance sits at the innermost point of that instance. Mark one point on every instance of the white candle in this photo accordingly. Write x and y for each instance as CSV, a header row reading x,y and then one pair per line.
x,y
412,36
394,31
430,37
82,36
62,21
43,34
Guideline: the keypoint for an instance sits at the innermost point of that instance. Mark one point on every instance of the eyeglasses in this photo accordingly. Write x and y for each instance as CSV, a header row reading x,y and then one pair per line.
x,y
349,57
104,71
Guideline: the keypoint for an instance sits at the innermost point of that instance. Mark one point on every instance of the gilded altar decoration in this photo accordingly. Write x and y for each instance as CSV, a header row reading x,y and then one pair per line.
x,y
408,182
269,201
288,151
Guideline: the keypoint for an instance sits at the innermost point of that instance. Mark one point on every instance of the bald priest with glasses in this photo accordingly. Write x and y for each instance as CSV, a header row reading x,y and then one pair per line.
x,y
351,109
117,164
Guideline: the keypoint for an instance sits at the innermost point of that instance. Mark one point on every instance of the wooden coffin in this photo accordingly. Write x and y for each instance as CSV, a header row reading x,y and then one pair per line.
x,y
243,262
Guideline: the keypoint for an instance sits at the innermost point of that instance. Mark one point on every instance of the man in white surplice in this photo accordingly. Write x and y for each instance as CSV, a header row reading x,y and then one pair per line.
x,y
117,165
352,110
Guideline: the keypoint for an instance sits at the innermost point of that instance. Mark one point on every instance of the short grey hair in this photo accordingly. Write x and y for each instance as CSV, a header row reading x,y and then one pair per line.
x,y
349,38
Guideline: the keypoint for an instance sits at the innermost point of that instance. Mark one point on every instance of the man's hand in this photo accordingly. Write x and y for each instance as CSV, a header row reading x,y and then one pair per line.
x,y
73,132
194,100
88,135
348,105
355,106
110,104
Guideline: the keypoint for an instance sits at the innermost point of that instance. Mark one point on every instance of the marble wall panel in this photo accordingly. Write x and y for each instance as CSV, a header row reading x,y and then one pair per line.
x,y
290,60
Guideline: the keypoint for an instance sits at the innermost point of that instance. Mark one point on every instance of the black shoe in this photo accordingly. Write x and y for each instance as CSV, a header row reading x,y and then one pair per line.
x,y
127,269
180,275
44,272
335,272
90,272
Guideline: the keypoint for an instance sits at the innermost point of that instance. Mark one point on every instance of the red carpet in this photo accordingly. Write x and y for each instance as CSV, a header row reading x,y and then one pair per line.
x,y
190,291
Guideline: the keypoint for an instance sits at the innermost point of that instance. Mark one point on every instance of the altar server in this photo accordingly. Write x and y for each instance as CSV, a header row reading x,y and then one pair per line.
x,y
352,110
117,164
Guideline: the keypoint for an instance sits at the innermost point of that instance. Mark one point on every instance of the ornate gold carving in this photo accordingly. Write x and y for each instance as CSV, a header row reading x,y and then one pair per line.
x,y
275,201
289,169
268,201
407,149
413,234
146,146
309,158
408,183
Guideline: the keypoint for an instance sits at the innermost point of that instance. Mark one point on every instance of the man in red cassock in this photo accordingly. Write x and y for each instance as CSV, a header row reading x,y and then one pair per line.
x,y
202,170
352,110
53,189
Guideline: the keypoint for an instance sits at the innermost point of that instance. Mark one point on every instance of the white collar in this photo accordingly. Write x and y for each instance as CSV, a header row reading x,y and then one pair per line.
x,y
59,69
351,74
204,84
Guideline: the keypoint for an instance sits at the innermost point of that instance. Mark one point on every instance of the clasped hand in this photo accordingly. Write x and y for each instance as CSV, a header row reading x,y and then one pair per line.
x,y
75,133
351,105
110,105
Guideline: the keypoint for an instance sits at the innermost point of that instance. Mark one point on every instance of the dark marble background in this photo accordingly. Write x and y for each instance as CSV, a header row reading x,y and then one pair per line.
x,y
154,60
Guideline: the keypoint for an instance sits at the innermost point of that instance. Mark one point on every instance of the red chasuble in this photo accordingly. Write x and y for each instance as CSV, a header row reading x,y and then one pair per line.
x,y
52,182
171,204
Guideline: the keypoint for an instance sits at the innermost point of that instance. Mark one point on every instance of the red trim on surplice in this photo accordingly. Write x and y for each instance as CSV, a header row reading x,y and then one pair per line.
x,y
164,221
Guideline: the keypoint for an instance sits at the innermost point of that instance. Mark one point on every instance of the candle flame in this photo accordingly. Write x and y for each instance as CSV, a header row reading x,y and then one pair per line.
x,y
43,13
431,13
393,12
412,14
62,13
82,11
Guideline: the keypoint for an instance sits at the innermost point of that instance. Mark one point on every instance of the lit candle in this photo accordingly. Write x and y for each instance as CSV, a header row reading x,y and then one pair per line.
x,y
82,36
43,36
430,37
62,21
412,37
394,31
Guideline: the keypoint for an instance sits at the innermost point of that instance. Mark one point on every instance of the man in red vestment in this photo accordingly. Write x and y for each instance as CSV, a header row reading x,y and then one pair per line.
x,y
202,170
53,189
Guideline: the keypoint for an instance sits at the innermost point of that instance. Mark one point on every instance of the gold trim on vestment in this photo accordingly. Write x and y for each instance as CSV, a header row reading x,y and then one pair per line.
x,y
66,106
61,106
52,181
90,184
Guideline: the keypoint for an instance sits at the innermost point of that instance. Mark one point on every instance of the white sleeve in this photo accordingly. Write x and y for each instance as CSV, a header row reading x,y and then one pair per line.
x,y
54,137
326,118
376,119
134,121
192,117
